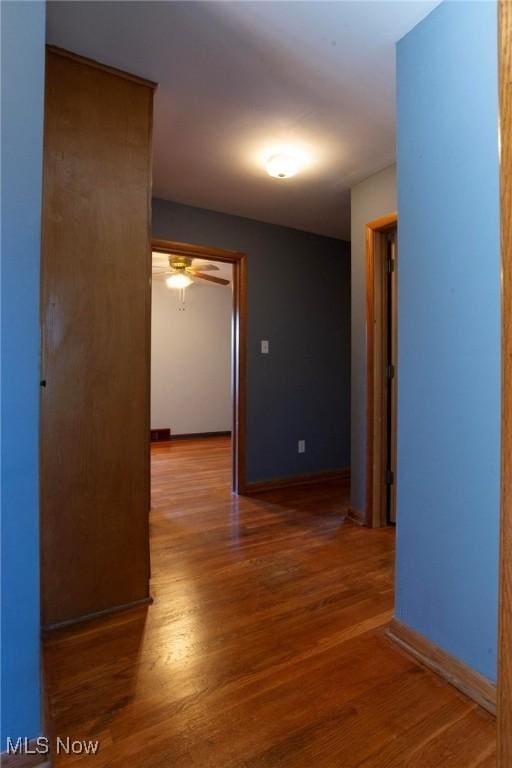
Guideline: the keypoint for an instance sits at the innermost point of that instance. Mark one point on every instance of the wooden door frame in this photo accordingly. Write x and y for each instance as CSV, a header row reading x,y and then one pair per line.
x,y
504,712
239,341
375,232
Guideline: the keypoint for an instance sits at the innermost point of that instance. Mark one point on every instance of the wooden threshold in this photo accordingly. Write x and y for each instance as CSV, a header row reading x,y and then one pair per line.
x,y
471,683
307,479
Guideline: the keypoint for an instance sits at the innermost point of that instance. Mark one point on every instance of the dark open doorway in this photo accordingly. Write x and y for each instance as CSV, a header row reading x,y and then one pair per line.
x,y
381,324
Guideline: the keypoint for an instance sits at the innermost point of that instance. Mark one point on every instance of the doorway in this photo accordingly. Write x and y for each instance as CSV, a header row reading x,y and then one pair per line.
x,y
381,324
238,340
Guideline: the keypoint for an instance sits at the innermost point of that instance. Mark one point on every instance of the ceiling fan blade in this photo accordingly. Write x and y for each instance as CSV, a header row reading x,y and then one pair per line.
x,y
212,279
204,267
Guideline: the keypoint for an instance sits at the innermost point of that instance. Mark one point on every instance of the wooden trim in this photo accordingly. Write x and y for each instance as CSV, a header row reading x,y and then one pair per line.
x,y
200,435
240,379
471,683
149,316
357,516
98,65
26,760
504,751
260,486
383,224
197,251
145,601
238,260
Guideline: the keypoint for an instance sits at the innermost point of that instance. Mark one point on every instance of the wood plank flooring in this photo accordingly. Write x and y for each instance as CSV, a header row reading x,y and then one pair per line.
x,y
264,647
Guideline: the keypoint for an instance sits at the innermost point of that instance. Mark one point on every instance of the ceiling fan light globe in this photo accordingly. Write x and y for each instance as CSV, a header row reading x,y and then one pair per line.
x,y
178,281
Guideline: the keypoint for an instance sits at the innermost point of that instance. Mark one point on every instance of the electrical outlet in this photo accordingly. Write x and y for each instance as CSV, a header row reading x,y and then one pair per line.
x,y
264,346
301,446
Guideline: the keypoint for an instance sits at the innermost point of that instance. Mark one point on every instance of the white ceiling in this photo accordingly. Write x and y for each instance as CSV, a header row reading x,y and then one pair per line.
x,y
239,79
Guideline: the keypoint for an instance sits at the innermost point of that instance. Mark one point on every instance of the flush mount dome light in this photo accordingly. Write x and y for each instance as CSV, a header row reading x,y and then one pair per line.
x,y
282,165
178,281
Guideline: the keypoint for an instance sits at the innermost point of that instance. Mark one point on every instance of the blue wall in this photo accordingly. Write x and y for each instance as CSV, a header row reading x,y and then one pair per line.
x,y
22,62
449,331
298,298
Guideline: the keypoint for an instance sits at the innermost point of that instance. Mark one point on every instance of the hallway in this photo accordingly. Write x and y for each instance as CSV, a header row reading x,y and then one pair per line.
x,y
264,646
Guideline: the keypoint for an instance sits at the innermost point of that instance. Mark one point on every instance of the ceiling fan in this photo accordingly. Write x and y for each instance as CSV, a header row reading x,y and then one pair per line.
x,y
180,271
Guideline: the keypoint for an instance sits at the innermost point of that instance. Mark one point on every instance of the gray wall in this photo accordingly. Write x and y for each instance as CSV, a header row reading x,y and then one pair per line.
x,y
299,299
372,198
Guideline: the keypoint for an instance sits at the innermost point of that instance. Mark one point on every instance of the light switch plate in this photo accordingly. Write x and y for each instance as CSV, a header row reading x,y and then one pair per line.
x,y
301,446
264,347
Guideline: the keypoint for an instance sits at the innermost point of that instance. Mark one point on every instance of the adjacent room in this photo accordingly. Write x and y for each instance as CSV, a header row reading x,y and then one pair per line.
x,y
256,435
192,393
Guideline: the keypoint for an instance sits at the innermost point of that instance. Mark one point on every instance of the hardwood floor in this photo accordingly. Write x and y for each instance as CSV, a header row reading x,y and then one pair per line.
x,y
264,647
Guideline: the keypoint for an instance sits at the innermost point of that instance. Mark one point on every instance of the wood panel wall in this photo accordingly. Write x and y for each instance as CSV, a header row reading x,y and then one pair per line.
x,y
95,305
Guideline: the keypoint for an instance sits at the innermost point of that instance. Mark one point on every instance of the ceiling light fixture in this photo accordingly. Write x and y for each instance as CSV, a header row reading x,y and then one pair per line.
x,y
179,281
282,165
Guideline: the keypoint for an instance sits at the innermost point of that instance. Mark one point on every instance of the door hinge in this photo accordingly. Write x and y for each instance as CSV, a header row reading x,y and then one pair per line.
x,y
390,477
390,265
390,372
